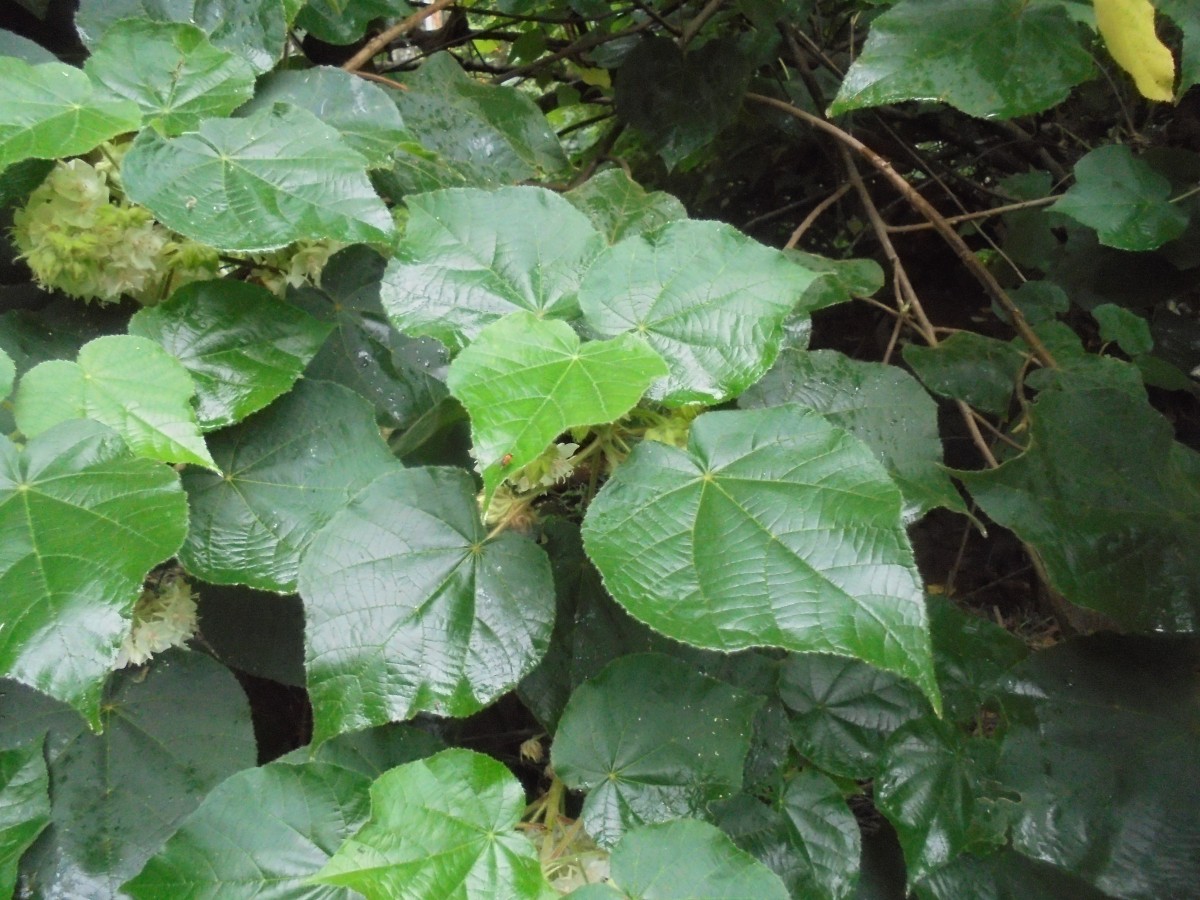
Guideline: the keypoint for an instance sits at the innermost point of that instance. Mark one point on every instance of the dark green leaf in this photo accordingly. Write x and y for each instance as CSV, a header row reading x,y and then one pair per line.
x,y
1124,199
1004,875
470,257
66,501
1128,329
1187,17
260,834
822,562
8,374
972,656
1040,301
242,347
881,405
171,71
964,52
258,183
371,751
968,366
24,806
619,207
254,631
409,607
650,739
171,733
442,827
345,21
709,299
287,470
840,279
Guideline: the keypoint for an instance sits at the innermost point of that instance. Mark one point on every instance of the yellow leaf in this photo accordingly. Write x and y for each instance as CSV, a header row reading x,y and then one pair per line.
x,y
1128,29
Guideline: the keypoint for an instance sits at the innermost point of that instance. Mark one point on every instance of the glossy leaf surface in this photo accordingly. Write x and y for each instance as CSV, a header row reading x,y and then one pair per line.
x,y
619,207
972,367
972,655
340,22
372,751
24,806
774,528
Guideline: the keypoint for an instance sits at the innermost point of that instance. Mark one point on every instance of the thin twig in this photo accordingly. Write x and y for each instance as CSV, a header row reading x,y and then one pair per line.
x,y
981,445
693,27
814,215
981,214
385,37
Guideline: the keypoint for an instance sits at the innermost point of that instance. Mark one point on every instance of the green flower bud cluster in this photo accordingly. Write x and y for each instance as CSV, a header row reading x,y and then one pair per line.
x,y
162,618
80,236
673,428
296,265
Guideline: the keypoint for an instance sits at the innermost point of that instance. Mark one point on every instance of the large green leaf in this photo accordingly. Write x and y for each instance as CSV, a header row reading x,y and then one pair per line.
x,y
965,53
443,827
972,656
254,632
881,405
171,733
24,806
129,384
1105,758
17,45
171,71
371,751
972,367
1111,504
286,471
1124,199
525,380
51,110
410,607
472,256
1004,875
709,299
619,207
260,834
650,739
258,183
242,347
773,528
345,21
363,112
67,501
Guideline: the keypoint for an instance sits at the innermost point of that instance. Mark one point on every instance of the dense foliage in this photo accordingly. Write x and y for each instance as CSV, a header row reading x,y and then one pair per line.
x,y
676,449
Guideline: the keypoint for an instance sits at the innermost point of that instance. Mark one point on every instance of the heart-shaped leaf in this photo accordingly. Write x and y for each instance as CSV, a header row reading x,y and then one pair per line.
x,y
71,496
774,528
24,806
525,380
709,299
258,183
129,384
410,607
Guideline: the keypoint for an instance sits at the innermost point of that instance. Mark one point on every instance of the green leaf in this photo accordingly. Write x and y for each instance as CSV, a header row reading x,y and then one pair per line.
x,y
24,806
651,739
8,375
524,381
51,110
171,71
345,21
23,48
1124,199
371,751
1128,329
1111,504
410,607
241,346
967,366
363,112
172,732
619,207
255,632
881,405
709,299
972,656
843,711
470,257
1105,761
1187,17
774,528
258,183
1004,875
129,384
66,501
287,471
442,827
688,860
260,834
964,52
681,101
840,279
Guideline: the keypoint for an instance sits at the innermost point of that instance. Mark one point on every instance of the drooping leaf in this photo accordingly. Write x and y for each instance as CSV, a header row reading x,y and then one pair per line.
x,y
71,497
470,257
1127,328
343,22
525,380
651,739
129,384
24,806
364,114
260,834
710,300
1127,27
964,52
774,528
881,405
1110,502
1124,199
972,656
286,471
171,71
972,367
241,346
839,279
619,207
442,827
409,607
258,183
51,110
171,734
371,751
